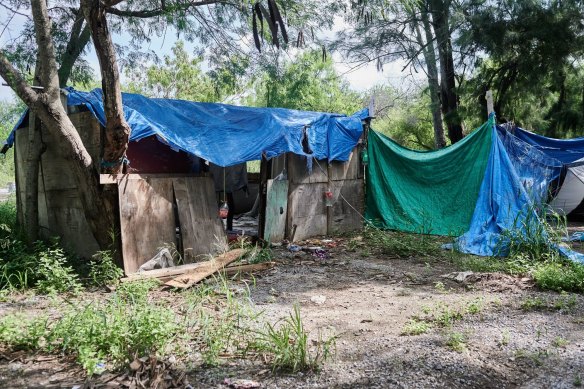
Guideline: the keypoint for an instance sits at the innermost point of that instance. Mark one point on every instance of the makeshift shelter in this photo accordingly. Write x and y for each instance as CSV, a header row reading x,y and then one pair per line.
x,y
566,158
171,200
473,190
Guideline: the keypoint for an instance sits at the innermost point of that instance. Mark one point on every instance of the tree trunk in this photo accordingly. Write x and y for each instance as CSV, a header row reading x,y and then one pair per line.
x,y
117,131
432,73
448,96
47,106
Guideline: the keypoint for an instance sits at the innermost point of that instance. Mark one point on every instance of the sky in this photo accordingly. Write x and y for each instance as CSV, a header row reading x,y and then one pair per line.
x,y
360,79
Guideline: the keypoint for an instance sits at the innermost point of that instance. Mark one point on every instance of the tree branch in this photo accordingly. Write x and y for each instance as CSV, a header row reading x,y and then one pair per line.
x,y
46,50
16,81
77,42
162,10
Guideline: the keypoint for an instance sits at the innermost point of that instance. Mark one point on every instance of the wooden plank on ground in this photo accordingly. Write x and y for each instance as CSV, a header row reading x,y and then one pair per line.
x,y
201,228
205,270
146,219
276,210
169,273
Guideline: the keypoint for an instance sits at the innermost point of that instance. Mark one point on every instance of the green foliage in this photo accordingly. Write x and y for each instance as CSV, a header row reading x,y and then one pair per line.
x,y
306,83
560,276
533,62
136,292
258,254
405,118
415,327
115,331
288,343
401,244
17,264
21,333
456,341
533,236
54,274
103,270
180,76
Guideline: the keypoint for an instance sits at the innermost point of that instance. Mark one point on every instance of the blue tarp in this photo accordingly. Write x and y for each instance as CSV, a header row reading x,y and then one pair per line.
x,y
503,204
226,134
564,150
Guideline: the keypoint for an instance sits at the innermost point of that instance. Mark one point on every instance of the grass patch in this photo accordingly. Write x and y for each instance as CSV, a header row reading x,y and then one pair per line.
x,y
415,327
287,341
402,245
456,341
205,325
564,302
103,270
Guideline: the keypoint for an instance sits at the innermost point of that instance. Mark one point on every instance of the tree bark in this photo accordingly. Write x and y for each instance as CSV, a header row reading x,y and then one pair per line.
x,y
77,41
433,83
47,106
449,98
117,131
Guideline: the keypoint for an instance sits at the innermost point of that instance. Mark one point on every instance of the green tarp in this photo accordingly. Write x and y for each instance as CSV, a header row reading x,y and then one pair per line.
x,y
426,192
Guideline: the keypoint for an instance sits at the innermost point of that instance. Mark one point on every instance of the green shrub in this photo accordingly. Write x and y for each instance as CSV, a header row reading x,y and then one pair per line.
x,y
115,331
559,276
136,291
20,333
103,271
54,275
288,345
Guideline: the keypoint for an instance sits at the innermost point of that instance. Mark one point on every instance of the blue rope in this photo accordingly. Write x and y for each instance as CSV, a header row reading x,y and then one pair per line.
x,y
108,164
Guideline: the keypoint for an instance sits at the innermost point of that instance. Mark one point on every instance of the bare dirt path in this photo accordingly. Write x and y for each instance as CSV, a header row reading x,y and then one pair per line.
x,y
493,333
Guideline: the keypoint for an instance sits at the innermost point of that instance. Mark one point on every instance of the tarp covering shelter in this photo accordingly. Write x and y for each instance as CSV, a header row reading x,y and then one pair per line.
x,y
474,190
168,197
227,135
566,158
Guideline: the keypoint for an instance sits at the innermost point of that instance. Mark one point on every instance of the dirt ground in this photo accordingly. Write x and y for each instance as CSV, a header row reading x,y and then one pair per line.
x,y
366,301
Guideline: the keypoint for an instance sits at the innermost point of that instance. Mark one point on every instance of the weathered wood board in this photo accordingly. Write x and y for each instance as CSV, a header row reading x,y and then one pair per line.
x,y
345,218
306,210
205,270
147,219
276,210
200,226
298,171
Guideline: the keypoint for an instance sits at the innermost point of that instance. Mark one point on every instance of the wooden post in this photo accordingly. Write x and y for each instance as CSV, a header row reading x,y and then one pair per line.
x,y
490,106
329,209
265,173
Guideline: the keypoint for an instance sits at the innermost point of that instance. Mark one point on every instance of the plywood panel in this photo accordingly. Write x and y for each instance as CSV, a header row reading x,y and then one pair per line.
x,y
276,210
345,218
146,219
200,226
349,170
306,210
298,172
67,220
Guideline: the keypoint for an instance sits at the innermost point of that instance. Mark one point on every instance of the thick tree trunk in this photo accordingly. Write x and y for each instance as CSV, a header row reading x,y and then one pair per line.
x,y
433,83
449,99
47,106
117,131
